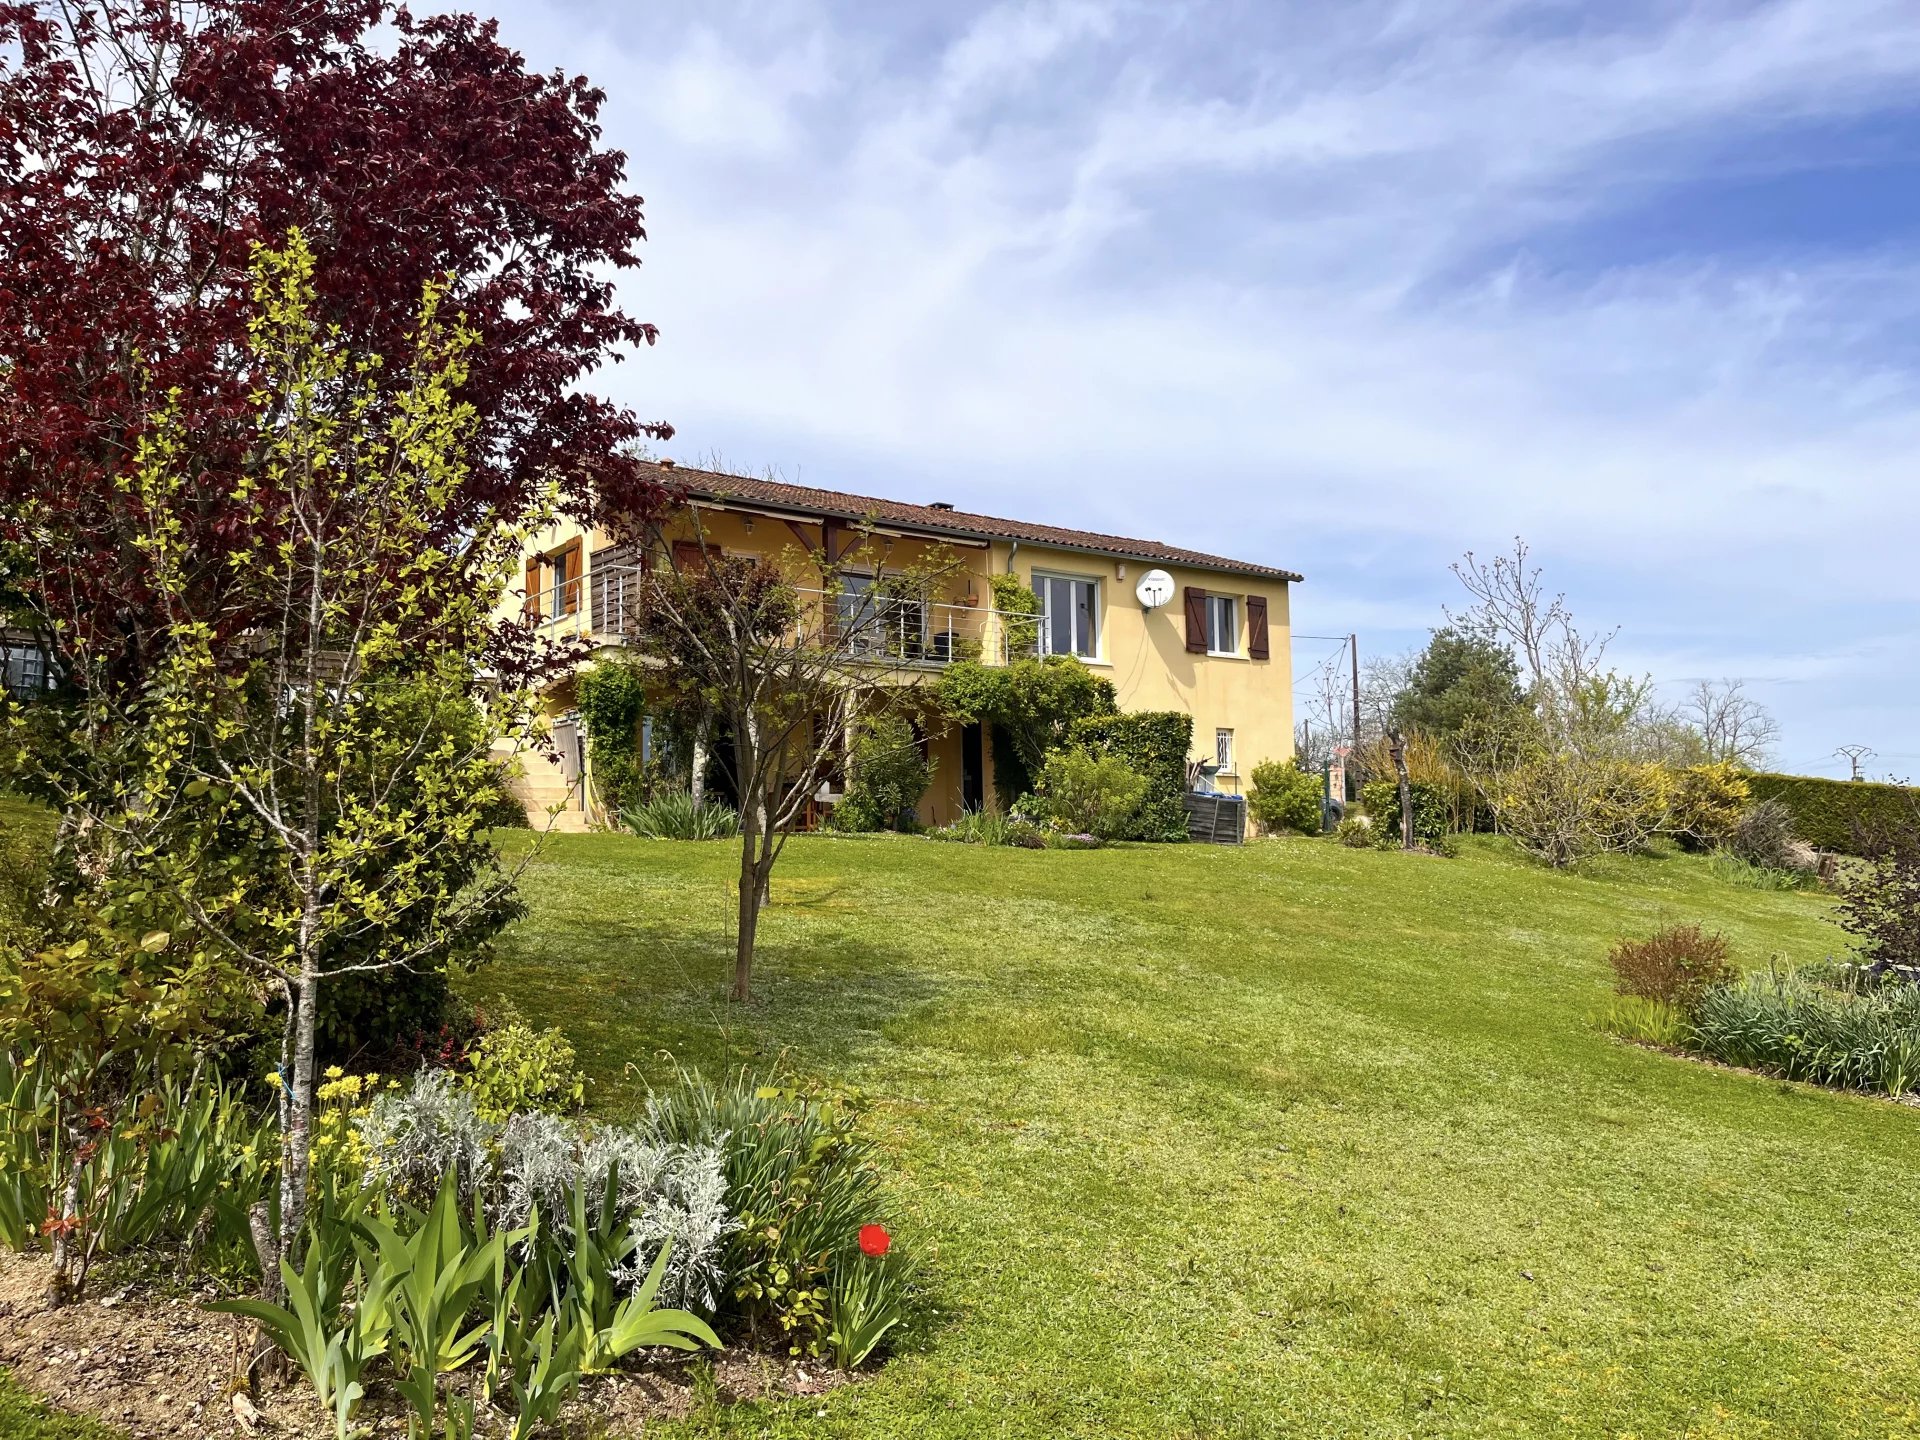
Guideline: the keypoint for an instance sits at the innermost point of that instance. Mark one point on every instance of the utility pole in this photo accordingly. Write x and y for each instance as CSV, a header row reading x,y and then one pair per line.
x,y
1853,755
1353,651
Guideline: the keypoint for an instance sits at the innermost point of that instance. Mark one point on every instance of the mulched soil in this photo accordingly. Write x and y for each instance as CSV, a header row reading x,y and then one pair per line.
x,y
161,1368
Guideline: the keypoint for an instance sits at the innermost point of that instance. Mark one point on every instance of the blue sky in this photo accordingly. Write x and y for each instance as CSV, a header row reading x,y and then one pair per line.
x,y
1348,288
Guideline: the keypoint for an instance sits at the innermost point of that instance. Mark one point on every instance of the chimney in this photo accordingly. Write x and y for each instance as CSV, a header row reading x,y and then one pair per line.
x,y
664,463
941,505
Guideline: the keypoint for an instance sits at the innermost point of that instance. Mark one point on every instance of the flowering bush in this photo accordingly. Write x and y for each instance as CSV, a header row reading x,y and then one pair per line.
x,y
809,1262
1705,803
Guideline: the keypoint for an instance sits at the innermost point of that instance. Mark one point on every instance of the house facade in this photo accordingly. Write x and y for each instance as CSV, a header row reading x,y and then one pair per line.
x,y
1206,635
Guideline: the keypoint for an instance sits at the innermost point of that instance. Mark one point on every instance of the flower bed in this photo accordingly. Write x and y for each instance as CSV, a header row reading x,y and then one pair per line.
x,y
467,1260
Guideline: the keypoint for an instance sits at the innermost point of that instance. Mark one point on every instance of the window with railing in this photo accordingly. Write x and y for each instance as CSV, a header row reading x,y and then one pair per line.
x,y
886,615
554,582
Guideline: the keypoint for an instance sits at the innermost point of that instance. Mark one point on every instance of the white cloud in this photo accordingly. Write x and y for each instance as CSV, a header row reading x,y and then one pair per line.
x,y
1265,280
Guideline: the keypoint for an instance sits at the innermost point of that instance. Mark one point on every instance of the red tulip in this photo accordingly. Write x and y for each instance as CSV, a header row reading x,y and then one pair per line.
x,y
874,1240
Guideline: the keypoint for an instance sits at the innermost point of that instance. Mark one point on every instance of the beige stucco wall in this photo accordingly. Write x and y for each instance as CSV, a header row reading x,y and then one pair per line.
x,y
1143,652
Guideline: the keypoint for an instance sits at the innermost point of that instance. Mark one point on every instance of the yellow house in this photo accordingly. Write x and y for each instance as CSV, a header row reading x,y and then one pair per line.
x,y
1174,629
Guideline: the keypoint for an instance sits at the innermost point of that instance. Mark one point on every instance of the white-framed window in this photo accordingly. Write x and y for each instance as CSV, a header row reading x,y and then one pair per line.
x,y
1070,615
1223,625
1223,751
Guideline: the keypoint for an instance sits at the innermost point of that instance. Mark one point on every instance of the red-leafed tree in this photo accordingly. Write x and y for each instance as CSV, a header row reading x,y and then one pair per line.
x,y
147,145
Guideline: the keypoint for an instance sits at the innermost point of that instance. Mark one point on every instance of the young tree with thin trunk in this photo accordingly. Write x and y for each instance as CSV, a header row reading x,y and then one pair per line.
x,y
353,746
780,659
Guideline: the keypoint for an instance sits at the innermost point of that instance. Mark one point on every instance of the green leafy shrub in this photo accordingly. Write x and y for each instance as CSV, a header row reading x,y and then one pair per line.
x,y
1285,797
1790,1024
1078,793
1358,832
1033,708
611,697
516,1067
1020,612
1705,804
1835,814
887,773
1155,743
1433,810
672,815
1674,965
802,1183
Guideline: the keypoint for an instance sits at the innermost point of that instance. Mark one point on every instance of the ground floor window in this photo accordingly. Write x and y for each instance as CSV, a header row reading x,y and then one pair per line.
x,y
23,670
1223,751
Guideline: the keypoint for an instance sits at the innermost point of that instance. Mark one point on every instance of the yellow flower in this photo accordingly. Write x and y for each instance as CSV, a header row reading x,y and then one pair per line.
x,y
334,1072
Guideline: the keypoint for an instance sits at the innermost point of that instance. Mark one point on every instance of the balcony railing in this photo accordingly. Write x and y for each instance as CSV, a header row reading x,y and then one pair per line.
x,y
559,601
861,624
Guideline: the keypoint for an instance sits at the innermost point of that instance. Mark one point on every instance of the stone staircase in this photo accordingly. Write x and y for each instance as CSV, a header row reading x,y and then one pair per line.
x,y
541,786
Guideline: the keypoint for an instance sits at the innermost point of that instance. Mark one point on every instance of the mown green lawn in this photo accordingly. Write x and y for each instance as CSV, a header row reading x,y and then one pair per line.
x,y
1288,1140
1282,1140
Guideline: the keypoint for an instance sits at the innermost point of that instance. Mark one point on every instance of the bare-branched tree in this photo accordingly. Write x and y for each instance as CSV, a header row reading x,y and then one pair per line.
x,y
1734,727
780,659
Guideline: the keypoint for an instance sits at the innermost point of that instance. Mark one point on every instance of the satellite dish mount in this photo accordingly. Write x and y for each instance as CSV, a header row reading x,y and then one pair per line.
x,y
1155,589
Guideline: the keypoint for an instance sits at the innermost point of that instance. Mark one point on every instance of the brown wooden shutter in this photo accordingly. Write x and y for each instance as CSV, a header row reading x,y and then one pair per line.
x,y
531,606
567,569
687,555
1257,627
1196,620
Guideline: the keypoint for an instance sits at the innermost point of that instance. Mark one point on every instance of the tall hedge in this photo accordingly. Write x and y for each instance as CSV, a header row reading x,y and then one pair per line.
x,y
1830,813
1156,743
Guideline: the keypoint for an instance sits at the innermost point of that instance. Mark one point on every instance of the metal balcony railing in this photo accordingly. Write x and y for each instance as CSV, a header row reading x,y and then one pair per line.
x,y
559,601
861,623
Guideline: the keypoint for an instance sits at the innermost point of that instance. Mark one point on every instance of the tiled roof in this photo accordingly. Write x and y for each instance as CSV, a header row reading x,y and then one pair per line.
x,y
804,500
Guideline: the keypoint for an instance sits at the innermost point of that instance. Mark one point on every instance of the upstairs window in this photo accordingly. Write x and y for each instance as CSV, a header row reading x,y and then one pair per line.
x,y
1223,625
1070,615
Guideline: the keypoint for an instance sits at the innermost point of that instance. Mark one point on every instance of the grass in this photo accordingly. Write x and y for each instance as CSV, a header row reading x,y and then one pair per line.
x,y
1284,1140
1289,1140
23,1417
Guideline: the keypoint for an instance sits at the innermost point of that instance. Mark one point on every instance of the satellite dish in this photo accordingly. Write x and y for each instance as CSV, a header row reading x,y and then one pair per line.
x,y
1155,589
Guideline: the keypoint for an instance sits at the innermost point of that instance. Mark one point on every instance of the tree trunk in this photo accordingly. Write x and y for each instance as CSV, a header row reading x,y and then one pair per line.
x,y
747,921
1398,749
699,785
296,1141
62,1285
